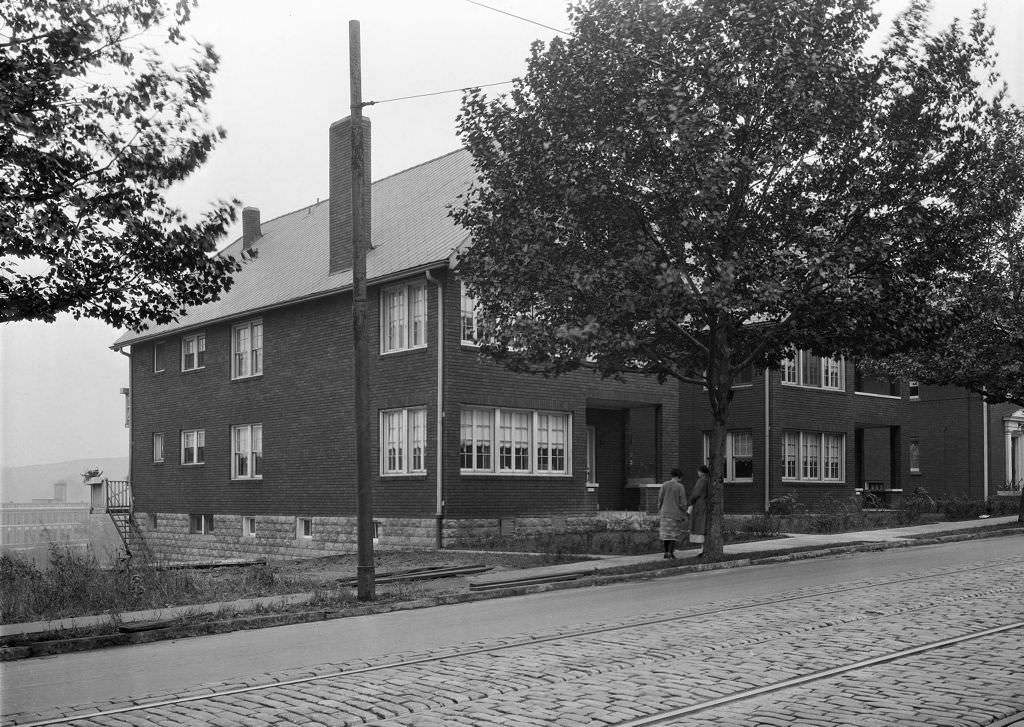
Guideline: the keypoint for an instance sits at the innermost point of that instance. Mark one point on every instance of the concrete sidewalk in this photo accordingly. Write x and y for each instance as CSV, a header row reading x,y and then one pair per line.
x,y
785,544
546,574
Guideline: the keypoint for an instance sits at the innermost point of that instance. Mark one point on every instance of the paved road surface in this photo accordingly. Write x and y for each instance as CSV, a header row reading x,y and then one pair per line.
x,y
602,656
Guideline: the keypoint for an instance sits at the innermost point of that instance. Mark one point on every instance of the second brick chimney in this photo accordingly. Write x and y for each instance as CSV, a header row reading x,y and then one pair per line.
x,y
340,203
251,231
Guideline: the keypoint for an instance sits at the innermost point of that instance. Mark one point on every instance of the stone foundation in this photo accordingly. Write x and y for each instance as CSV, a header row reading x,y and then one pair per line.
x,y
277,537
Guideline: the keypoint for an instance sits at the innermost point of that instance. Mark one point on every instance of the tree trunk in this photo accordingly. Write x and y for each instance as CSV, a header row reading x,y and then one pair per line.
x,y
1020,507
719,383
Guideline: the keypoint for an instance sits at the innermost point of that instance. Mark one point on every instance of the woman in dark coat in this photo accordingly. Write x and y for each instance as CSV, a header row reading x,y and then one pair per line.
x,y
698,508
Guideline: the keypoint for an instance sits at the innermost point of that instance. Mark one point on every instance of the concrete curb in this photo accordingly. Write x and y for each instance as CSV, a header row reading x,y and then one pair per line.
x,y
145,634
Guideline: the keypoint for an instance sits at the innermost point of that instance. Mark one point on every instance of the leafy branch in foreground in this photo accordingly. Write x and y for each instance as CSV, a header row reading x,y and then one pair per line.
x,y
95,126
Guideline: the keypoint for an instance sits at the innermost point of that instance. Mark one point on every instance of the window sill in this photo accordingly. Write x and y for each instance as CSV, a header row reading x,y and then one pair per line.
x,y
192,371
893,397
411,349
805,387
193,464
403,475
739,482
814,482
247,378
247,479
516,475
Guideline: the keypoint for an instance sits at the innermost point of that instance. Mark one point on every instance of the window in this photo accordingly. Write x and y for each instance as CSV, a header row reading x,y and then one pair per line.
x,y
193,445
914,389
158,446
744,377
813,371
526,442
739,456
200,524
470,319
159,357
915,456
813,456
247,452
249,527
304,528
866,382
403,317
193,352
403,437
247,350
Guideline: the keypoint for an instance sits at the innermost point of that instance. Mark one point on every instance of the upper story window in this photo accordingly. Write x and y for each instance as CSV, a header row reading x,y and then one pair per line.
x,y
470,318
914,389
159,357
158,446
403,317
193,352
193,446
403,438
813,456
739,456
817,372
247,452
515,441
247,350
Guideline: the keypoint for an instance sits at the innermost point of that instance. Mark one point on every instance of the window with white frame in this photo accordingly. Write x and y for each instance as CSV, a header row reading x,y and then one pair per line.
x,y
403,437
914,389
193,446
158,446
247,452
159,357
200,524
403,317
526,441
193,352
813,456
739,456
249,527
304,528
914,451
247,350
470,318
817,372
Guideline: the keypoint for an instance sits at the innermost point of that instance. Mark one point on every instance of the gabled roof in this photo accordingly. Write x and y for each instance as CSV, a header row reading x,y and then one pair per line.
x,y
409,226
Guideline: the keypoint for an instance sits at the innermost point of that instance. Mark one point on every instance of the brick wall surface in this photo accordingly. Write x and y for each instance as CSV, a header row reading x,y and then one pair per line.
x,y
303,400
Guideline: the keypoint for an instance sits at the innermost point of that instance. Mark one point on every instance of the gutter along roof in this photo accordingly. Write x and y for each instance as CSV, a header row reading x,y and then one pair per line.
x,y
410,230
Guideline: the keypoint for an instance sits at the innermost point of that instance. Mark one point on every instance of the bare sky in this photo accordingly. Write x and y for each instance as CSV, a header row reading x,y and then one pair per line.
x,y
283,81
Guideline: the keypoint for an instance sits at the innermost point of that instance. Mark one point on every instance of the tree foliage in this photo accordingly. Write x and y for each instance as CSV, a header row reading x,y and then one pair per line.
x,y
687,188
95,126
984,351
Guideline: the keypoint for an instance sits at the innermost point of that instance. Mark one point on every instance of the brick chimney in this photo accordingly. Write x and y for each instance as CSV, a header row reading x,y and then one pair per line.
x,y
251,231
340,203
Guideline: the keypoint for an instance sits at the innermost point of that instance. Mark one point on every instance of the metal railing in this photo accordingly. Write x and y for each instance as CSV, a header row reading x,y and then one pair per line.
x,y
119,495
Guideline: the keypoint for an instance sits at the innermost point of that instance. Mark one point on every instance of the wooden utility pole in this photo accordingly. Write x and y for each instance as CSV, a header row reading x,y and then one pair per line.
x,y
361,350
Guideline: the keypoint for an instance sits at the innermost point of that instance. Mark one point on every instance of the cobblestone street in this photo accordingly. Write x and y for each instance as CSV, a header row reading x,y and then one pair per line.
x,y
843,648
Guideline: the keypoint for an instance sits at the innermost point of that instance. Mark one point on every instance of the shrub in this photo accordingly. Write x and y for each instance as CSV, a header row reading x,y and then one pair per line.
x,y
783,505
763,526
916,504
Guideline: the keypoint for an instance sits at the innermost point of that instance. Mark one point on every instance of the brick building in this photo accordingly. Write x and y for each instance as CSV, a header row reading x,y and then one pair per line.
x,y
241,413
242,423
833,431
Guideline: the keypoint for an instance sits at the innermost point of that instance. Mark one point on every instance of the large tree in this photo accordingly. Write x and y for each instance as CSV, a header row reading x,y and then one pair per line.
x,y
95,125
685,188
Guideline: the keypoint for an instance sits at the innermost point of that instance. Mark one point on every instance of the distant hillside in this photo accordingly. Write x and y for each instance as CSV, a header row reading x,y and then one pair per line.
x,y
23,484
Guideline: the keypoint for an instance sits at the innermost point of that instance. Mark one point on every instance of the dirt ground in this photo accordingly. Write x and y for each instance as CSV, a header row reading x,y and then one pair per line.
x,y
331,571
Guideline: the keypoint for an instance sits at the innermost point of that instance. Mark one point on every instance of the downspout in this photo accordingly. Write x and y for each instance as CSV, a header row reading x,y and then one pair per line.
x,y
131,418
767,440
984,449
439,426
